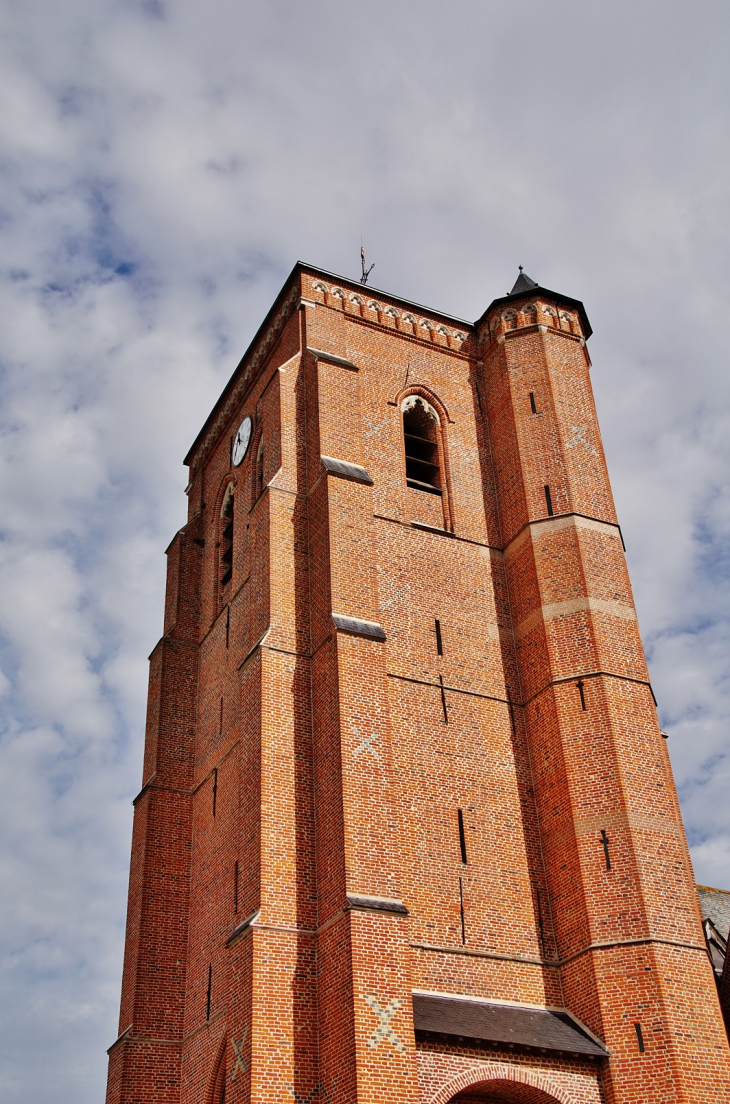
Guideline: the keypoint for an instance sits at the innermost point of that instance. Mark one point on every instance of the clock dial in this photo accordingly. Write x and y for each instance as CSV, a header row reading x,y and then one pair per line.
x,y
241,441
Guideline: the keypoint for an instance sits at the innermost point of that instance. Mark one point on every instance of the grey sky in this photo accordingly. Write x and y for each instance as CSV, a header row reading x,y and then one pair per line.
x,y
162,167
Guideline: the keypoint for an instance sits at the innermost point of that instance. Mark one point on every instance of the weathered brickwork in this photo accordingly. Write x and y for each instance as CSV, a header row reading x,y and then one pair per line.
x,y
401,737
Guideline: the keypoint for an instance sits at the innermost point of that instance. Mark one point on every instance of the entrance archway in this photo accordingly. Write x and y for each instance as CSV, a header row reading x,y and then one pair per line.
x,y
499,1083
503,1092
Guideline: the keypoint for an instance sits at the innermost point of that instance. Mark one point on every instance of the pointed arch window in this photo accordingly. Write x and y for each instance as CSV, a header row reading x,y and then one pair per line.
x,y
259,471
421,442
219,1095
226,537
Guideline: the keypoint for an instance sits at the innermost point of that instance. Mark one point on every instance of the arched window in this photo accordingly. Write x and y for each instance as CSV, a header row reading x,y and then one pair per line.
x,y
259,473
420,437
226,537
218,1095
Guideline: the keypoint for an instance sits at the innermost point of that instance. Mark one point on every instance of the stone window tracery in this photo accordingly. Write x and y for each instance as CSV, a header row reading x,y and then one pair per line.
x,y
421,426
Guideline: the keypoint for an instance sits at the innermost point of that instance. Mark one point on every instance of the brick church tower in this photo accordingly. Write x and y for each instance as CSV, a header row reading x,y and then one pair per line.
x,y
408,832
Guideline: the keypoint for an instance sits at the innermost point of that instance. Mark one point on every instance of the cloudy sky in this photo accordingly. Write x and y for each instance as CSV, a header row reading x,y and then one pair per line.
x,y
163,164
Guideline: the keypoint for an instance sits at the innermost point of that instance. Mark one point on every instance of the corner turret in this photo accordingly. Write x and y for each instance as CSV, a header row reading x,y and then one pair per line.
x,y
529,304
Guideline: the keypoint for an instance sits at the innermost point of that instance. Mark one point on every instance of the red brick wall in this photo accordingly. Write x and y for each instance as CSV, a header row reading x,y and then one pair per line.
x,y
289,763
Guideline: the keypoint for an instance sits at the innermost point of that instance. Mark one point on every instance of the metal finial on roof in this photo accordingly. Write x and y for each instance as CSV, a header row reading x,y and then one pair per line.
x,y
365,271
523,283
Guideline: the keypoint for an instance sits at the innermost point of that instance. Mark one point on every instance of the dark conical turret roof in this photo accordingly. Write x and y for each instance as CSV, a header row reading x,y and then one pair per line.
x,y
524,286
523,283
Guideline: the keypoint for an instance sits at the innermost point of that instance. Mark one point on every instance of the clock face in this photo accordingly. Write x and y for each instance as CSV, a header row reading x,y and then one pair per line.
x,y
241,441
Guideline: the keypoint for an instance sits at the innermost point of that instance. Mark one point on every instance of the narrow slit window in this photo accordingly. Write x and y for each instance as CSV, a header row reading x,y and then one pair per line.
x,y
639,1037
420,437
539,918
510,709
533,408
581,691
548,501
226,538
439,641
444,706
260,469
606,853
462,836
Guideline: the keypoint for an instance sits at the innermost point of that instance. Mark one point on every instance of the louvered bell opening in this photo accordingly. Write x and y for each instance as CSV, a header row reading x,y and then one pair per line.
x,y
227,544
423,472
422,468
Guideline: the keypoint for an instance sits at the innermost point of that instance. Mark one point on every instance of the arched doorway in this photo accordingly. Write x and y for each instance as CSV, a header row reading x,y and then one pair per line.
x,y
503,1092
502,1083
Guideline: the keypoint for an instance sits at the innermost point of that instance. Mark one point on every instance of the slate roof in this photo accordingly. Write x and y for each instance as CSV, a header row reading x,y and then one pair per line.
x,y
484,1022
523,283
715,905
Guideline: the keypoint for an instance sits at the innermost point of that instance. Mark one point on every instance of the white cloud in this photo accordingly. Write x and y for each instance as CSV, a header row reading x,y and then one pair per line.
x,y
163,165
